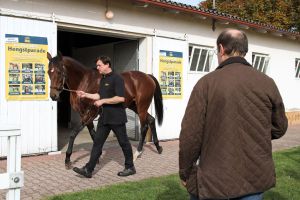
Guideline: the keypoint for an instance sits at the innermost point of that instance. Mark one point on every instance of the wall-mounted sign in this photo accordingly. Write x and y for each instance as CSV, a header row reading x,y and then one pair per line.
x,y
26,67
170,73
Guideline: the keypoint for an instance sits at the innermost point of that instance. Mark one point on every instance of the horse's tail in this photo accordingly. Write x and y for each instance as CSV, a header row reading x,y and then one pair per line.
x,y
158,101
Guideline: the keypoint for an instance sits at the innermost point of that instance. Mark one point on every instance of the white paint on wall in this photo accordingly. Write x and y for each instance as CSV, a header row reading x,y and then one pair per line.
x,y
173,108
37,119
176,32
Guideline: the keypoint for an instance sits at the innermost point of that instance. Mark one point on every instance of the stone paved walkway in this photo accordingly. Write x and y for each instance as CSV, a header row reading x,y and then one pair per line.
x,y
46,175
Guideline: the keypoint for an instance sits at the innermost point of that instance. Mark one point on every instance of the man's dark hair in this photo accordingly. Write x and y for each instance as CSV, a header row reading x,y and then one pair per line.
x,y
235,42
105,60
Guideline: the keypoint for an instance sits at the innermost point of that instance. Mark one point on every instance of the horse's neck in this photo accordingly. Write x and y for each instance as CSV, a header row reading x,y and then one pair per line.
x,y
74,73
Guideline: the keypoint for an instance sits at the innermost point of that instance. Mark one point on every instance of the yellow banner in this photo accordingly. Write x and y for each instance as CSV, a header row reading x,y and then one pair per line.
x,y
26,67
170,74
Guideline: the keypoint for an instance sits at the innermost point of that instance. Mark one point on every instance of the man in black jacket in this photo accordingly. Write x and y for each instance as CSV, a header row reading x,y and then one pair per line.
x,y
113,117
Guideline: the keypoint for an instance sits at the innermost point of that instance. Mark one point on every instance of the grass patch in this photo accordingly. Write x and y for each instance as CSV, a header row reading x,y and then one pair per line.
x,y
287,165
168,187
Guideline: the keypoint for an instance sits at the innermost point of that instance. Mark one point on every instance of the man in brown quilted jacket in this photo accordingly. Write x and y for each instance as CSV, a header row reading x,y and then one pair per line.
x,y
225,149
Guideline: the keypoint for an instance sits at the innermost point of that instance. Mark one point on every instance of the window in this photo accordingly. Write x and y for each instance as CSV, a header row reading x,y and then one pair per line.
x,y
297,67
200,58
260,62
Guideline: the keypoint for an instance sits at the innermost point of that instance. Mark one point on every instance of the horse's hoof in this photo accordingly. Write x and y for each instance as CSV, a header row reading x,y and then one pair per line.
x,y
137,155
160,150
68,165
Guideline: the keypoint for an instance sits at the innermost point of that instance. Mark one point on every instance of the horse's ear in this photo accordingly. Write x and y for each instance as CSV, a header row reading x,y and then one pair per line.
x,y
49,56
59,55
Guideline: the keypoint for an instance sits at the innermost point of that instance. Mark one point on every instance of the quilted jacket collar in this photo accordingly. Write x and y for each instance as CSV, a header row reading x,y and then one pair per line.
x,y
232,60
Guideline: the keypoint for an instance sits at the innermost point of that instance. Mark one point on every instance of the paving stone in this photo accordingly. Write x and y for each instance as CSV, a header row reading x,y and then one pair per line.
x,y
46,175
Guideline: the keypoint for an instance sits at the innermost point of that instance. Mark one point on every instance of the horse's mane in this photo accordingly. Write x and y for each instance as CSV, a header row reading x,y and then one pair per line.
x,y
86,76
77,64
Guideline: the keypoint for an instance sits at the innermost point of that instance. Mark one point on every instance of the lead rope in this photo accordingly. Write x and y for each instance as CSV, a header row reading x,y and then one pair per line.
x,y
68,90
89,108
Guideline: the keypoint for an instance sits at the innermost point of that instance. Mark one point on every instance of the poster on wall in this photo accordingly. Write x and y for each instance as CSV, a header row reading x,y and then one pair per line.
x,y
26,67
170,74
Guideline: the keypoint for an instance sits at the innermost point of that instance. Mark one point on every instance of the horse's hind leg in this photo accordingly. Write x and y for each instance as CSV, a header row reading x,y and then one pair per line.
x,y
151,121
73,135
139,150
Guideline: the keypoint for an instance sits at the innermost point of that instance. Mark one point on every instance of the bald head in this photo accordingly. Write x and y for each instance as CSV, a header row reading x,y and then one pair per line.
x,y
234,42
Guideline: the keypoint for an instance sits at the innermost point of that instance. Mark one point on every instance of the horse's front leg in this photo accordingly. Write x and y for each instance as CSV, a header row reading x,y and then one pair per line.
x,y
151,121
139,150
72,137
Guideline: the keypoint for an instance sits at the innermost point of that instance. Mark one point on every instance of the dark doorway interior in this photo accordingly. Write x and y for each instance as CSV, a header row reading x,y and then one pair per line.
x,y
66,42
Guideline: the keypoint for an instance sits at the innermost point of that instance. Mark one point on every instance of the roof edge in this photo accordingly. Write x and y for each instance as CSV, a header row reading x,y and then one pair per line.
x,y
223,17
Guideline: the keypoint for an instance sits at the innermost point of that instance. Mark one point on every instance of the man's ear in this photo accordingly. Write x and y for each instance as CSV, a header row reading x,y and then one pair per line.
x,y
221,50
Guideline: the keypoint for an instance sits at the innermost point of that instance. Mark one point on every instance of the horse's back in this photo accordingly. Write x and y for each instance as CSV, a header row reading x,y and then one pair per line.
x,y
137,76
139,89
137,81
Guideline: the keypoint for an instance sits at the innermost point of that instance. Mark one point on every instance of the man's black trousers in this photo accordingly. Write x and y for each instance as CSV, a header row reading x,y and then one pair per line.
x,y
100,138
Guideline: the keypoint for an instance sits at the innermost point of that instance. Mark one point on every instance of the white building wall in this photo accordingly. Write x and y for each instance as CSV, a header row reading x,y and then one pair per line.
x,y
37,119
281,67
173,108
145,55
130,20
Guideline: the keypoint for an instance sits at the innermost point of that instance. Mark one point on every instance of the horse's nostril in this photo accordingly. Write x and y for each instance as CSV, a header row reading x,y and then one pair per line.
x,y
54,98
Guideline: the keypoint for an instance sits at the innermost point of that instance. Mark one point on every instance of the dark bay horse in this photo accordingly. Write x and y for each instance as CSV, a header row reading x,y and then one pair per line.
x,y
140,89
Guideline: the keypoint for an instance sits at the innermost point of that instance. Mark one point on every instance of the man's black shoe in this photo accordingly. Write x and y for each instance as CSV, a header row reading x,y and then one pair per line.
x,y
127,172
83,171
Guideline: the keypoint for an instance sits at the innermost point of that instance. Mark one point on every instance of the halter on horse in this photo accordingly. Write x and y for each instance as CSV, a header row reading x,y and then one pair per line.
x,y
140,88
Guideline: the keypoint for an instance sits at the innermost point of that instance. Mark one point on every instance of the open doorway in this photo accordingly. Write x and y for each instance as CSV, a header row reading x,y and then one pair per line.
x,y
85,47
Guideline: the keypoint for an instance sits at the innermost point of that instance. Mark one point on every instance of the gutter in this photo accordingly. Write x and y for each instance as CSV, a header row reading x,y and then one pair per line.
x,y
215,15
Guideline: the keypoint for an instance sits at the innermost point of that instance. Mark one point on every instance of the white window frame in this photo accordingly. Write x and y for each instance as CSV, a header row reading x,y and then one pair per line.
x,y
297,68
208,58
265,58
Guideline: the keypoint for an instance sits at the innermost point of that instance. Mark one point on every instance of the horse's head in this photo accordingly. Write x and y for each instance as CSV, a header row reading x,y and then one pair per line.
x,y
57,75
